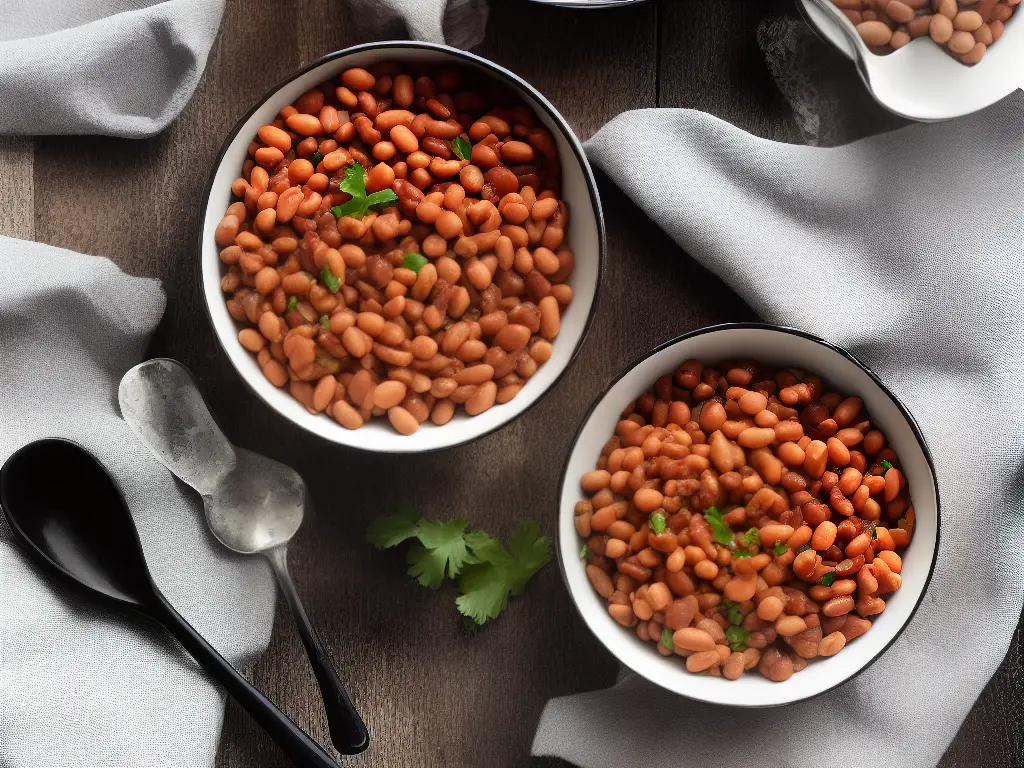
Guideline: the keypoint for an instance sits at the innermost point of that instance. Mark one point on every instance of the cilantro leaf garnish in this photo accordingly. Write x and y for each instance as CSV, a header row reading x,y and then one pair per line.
x,y
779,548
737,638
751,537
293,303
735,615
330,280
414,261
828,579
440,548
461,148
486,571
657,522
354,184
719,528
583,552
444,549
666,637
498,572
391,530
886,465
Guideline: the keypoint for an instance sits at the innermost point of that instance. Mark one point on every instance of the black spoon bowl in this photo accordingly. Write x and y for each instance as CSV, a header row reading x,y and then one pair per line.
x,y
80,528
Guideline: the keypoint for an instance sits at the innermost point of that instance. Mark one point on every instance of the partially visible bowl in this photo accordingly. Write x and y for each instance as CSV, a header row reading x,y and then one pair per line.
x,y
585,236
783,347
921,81
590,4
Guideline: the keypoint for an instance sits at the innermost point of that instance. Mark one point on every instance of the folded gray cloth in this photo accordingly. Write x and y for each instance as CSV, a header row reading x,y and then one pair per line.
x,y
81,686
128,67
906,249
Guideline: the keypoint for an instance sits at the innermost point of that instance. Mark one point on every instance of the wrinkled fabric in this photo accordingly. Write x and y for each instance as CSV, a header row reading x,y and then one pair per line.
x,y
83,686
128,67
457,22
905,249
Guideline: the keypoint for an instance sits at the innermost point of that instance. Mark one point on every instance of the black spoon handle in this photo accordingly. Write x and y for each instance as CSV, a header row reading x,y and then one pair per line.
x,y
348,732
295,743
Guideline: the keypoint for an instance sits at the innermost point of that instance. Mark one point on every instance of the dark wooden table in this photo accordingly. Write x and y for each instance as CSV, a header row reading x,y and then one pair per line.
x,y
431,694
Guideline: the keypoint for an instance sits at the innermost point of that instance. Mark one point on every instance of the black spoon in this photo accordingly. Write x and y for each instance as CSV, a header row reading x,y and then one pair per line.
x,y
80,527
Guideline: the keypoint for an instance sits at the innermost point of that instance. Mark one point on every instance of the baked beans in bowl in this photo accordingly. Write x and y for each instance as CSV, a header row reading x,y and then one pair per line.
x,y
748,516
401,247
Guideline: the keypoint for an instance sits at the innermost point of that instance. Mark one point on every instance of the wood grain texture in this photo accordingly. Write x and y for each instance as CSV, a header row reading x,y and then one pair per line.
x,y
432,695
17,211
710,61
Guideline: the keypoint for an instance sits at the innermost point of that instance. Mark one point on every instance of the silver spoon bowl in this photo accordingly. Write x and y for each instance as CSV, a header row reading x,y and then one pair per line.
x,y
254,505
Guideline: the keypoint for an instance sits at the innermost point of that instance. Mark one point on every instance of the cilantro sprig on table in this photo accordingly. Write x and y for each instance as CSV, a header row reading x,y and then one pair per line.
x,y
355,184
487,572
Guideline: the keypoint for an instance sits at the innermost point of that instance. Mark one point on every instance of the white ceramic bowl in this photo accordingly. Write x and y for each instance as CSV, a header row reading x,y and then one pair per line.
x,y
921,81
585,236
780,346
590,5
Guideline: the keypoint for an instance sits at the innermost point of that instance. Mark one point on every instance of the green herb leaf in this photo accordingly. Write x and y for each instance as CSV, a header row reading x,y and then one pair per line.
x,y
293,303
355,180
735,615
737,638
329,279
355,208
315,159
391,530
496,572
657,522
886,466
719,528
779,548
487,572
751,537
583,552
384,197
414,261
828,579
325,322
442,549
354,183
666,637
741,553
461,148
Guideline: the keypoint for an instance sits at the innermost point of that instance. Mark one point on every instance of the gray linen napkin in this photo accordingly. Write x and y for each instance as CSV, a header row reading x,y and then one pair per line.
x,y
128,67
906,249
83,687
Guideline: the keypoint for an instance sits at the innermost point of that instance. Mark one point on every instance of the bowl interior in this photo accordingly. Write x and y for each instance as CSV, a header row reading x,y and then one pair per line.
x,y
921,81
584,236
778,347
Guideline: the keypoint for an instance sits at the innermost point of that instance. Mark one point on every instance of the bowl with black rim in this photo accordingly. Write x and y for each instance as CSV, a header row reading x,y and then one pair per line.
x,y
842,372
585,236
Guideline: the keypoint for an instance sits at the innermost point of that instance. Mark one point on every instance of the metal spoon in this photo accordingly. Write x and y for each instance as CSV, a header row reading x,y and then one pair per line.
x,y
253,504
81,529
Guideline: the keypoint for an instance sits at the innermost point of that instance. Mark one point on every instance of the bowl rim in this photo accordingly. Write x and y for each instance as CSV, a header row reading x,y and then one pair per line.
x,y
911,421
493,69
804,9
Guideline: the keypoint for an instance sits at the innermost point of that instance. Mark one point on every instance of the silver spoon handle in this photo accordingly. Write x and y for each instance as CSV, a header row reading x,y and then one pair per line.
x,y
348,732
